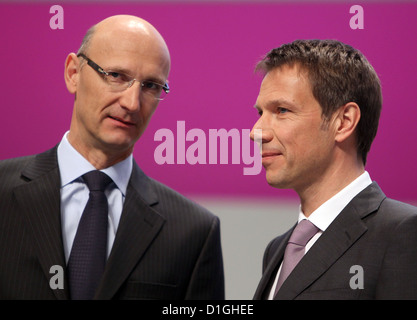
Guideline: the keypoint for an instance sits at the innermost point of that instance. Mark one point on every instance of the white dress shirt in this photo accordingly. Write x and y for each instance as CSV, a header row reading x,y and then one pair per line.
x,y
74,192
324,215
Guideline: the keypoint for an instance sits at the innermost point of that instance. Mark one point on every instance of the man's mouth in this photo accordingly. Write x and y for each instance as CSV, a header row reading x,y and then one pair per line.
x,y
267,154
126,123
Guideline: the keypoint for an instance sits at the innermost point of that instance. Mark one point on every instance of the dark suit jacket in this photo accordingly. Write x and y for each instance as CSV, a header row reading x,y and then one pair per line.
x,y
373,232
166,246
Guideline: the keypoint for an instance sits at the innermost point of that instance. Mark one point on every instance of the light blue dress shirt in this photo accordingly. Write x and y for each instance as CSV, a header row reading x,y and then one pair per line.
x,y
75,194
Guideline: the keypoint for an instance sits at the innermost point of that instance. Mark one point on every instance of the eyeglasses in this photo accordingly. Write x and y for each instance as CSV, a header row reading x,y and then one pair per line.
x,y
119,81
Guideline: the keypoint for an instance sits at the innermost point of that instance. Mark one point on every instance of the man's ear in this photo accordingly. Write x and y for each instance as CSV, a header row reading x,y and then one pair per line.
x,y
72,69
347,120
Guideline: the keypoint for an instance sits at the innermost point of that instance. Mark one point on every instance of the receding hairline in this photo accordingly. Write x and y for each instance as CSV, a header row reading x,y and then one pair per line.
x,y
85,44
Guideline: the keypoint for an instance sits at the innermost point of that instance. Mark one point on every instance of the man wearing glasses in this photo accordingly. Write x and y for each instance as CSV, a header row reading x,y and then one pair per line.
x,y
151,242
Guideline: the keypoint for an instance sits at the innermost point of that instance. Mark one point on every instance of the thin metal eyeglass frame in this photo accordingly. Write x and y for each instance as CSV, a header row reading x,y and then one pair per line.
x,y
101,71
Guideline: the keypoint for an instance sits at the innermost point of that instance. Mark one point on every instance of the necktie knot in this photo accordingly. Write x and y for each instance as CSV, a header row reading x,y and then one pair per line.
x,y
96,180
303,232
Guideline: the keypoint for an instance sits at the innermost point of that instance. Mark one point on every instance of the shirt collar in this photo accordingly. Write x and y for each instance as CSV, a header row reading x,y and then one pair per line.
x,y
73,165
324,215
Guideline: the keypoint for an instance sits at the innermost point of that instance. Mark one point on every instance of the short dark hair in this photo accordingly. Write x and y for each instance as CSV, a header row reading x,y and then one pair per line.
x,y
338,74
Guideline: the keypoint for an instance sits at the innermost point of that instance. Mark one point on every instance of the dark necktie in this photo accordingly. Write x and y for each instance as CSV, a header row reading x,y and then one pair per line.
x,y
89,250
295,249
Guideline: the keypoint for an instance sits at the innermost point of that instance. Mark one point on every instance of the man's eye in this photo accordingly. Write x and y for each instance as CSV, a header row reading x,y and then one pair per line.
x,y
282,110
114,74
117,78
148,85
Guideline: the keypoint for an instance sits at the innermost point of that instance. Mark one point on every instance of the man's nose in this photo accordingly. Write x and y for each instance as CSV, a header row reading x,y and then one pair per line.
x,y
261,132
130,98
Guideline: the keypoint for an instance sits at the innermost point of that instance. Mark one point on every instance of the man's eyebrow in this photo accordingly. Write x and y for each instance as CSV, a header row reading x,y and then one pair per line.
x,y
154,79
277,103
128,73
118,70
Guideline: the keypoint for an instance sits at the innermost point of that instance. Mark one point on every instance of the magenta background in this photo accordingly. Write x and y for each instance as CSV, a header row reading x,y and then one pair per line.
x,y
214,48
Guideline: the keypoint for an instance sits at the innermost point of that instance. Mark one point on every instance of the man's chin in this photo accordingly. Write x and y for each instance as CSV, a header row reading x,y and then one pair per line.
x,y
277,182
118,145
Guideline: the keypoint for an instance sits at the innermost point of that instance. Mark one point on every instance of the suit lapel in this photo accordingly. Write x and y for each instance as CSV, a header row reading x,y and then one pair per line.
x,y
272,265
342,233
139,225
39,202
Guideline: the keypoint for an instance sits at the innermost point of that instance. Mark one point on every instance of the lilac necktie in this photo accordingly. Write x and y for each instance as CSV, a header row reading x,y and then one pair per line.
x,y
88,253
295,249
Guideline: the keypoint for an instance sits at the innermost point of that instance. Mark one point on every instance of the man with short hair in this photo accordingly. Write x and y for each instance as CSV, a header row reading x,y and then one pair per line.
x,y
136,238
319,105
